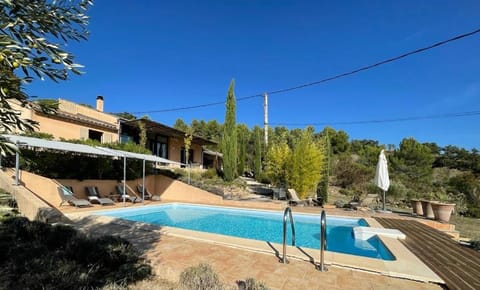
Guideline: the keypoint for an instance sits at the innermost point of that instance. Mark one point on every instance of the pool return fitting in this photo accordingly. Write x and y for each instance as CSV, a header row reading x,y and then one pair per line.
x,y
289,211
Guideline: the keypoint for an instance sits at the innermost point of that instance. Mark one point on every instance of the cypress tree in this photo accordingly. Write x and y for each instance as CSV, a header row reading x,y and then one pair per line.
x,y
229,142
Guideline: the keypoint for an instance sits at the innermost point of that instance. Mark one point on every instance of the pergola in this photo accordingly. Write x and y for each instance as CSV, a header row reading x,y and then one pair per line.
x,y
30,142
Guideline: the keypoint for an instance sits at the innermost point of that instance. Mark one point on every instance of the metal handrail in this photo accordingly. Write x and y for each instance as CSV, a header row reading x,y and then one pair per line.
x,y
289,211
323,241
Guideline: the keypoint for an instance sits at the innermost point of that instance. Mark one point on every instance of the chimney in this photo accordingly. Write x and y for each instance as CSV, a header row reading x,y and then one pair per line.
x,y
100,103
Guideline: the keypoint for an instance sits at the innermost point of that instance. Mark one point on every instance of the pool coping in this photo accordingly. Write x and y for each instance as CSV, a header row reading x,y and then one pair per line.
x,y
406,265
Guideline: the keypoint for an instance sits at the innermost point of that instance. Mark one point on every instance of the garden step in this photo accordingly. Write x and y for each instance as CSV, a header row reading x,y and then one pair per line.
x,y
438,225
454,234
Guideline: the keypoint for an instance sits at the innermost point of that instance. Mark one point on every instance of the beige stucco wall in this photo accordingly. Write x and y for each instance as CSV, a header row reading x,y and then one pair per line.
x,y
30,205
166,188
106,188
197,153
68,130
73,108
61,128
170,189
175,146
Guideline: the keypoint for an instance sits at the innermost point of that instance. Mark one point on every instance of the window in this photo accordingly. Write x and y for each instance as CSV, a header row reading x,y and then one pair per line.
x,y
159,146
95,135
190,156
124,138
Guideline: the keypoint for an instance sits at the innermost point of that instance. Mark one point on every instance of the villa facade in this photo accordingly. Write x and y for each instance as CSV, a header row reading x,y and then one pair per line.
x,y
76,121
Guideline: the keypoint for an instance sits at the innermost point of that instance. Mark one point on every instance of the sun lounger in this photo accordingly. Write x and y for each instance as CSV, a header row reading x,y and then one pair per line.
x,y
148,194
67,196
126,196
293,198
94,196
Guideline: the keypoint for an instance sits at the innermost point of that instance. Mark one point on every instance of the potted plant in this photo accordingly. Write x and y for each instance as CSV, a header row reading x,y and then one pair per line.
x,y
443,209
427,207
415,202
416,206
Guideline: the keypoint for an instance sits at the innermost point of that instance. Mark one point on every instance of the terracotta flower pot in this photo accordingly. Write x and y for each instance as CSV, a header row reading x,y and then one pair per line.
x,y
442,211
427,209
416,206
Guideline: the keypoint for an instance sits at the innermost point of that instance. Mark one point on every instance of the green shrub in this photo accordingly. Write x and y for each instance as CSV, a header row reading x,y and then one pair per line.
x,y
210,173
346,191
397,191
200,277
263,178
36,255
173,174
40,135
475,245
251,284
473,212
340,203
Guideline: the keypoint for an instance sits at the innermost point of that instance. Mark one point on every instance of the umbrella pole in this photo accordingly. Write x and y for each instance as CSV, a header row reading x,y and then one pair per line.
x,y
383,200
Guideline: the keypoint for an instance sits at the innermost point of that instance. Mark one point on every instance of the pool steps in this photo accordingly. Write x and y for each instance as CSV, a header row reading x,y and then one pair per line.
x,y
323,242
288,210
365,233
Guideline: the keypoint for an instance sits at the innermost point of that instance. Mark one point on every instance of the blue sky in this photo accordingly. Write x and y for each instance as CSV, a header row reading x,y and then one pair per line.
x,y
154,55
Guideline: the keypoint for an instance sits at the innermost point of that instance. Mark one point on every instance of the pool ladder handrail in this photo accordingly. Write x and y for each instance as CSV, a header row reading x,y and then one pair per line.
x,y
289,211
323,241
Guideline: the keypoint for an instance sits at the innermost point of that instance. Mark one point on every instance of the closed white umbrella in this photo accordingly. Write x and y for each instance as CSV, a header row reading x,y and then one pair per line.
x,y
381,175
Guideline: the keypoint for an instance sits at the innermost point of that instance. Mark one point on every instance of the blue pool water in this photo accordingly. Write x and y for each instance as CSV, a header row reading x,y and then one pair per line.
x,y
258,225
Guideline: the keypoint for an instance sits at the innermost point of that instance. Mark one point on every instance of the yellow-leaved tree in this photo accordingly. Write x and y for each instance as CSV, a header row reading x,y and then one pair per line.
x,y
278,156
305,164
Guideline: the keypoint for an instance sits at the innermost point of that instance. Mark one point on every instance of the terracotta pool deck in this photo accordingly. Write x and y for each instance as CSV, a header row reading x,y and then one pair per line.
x,y
171,251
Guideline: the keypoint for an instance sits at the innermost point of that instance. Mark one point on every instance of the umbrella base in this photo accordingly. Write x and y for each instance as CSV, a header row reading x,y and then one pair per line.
x,y
384,211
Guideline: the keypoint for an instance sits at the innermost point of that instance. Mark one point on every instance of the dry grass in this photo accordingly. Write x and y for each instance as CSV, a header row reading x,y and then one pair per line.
x,y
468,227
154,284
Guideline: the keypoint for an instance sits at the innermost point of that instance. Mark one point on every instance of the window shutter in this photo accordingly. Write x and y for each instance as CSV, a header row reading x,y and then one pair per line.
x,y
83,133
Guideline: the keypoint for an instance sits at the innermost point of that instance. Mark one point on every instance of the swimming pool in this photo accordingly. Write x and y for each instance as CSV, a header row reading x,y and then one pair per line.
x,y
258,225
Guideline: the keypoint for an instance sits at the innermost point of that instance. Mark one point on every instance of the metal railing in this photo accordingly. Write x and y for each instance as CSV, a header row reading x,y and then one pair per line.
x,y
323,241
289,211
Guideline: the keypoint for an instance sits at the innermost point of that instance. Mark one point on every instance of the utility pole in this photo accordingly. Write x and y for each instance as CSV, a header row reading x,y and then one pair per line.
x,y
265,117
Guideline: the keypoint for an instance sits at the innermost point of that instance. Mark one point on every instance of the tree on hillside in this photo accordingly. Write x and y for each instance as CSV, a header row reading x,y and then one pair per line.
x,y
213,130
279,135
305,165
257,162
367,152
338,140
229,140
29,30
468,186
199,128
125,115
180,125
242,132
412,163
457,158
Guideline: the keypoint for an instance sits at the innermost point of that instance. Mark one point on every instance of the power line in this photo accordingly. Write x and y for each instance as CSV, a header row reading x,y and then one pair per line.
x,y
404,119
458,37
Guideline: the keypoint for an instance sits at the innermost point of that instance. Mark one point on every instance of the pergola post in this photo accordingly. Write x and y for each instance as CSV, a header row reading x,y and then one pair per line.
x,y
124,178
17,167
143,184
